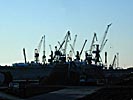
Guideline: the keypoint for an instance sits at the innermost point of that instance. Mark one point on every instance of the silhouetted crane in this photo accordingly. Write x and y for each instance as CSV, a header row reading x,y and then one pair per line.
x,y
37,51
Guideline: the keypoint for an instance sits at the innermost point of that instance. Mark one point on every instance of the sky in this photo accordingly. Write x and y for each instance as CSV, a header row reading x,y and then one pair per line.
x,y
24,22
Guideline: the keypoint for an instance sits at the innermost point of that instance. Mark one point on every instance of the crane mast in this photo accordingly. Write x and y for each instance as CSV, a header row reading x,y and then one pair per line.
x,y
24,55
44,56
37,51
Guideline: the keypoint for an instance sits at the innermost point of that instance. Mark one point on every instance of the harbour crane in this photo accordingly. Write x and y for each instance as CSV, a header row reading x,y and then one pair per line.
x,y
99,48
115,63
37,51
58,54
65,40
88,57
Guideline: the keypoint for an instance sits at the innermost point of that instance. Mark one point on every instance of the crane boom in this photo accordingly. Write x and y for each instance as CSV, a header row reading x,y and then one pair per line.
x,y
104,44
44,43
104,37
61,45
72,50
114,61
66,41
92,43
40,43
74,41
82,48
72,47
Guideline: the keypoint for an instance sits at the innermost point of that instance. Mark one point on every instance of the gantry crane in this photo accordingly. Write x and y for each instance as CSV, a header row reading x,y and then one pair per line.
x,y
58,54
65,40
88,57
99,48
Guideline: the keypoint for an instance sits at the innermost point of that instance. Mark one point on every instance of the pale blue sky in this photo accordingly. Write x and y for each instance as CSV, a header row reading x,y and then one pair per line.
x,y
23,22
